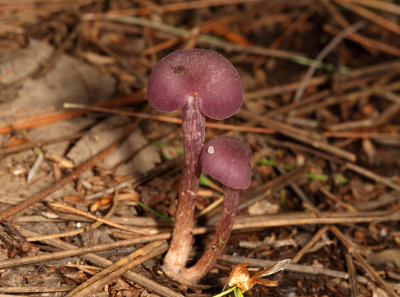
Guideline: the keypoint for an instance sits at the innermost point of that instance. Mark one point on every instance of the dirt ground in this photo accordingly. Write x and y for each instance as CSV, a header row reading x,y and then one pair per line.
x,y
90,172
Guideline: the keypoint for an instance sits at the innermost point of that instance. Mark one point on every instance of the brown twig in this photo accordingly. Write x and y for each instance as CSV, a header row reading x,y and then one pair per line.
x,y
293,219
31,289
309,244
345,205
351,270
377,178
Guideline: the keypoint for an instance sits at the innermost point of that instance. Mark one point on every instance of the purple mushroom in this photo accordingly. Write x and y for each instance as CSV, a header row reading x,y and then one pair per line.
x,y
226,159
202,83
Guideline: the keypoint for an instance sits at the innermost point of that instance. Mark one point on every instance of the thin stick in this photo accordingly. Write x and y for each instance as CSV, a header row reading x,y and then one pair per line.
x,y
293,219
361,134
32,289
81,251
169,119
326,50
351,270
309,244
290,267
377,178
93,217
345,205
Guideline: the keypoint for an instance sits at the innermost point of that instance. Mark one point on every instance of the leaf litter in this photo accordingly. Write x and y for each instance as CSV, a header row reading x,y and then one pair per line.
x,y
343,133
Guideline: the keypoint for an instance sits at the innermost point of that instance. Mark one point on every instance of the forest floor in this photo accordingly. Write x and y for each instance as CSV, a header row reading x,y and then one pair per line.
x,y
90,173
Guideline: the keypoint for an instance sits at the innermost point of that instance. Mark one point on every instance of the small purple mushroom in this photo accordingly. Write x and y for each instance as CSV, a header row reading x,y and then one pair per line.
x,y
202,83
226,159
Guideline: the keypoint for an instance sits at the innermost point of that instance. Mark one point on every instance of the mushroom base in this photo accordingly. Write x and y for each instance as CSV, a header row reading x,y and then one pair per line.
x,y
194,274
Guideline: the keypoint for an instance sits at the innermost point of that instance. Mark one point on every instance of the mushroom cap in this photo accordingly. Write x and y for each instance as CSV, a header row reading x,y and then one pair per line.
x,y
227,159
202,73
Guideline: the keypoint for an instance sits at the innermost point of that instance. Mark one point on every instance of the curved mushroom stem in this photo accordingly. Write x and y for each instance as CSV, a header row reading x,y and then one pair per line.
x,y
193,274
193,129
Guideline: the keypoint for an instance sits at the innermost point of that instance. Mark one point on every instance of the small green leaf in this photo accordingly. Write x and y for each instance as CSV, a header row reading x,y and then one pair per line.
x,y
204,180
282,198
321,65
154,212
340,179
233,289
159,144
179,150
37,150
316,176
266,162
288,167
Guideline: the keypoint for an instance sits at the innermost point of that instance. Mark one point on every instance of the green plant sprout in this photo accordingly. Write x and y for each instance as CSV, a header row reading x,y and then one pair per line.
x,y
204,180
236,291
338,178
321,65
154,212
317,176
160,144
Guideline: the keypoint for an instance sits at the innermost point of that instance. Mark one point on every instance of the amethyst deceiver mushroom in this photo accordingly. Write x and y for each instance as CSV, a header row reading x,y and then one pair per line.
x,y
202,83
227,160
